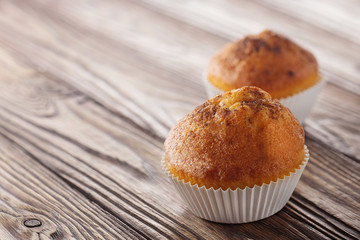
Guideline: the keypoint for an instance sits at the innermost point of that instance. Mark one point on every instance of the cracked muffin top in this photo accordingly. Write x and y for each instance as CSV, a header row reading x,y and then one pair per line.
x,y
236,140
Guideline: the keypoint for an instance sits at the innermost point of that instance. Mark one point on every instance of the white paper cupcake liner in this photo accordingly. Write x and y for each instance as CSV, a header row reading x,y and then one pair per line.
x,y
300,104
240,205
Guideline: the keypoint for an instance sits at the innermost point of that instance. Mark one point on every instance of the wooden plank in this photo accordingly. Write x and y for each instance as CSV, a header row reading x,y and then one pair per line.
x,y
114,64
337,17
84,176
104,175
335,121
29,190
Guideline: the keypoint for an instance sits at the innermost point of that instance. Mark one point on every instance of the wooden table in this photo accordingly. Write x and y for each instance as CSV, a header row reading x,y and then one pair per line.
x,y
90,89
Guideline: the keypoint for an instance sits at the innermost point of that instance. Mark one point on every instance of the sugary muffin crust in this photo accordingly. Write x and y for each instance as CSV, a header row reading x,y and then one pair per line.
x,y
269,61
238,139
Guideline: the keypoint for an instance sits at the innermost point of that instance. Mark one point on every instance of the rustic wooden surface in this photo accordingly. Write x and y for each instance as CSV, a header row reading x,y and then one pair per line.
x,y
90,89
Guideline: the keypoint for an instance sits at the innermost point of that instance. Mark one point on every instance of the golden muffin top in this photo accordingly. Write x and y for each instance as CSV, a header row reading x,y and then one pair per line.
x,y
237,139
267,60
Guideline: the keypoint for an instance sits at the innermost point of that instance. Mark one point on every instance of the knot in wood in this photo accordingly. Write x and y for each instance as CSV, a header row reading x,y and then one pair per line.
x,y
32,222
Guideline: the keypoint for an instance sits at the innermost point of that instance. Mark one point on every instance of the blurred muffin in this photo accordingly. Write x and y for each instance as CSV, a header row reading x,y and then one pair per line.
x,y
243,142
268,61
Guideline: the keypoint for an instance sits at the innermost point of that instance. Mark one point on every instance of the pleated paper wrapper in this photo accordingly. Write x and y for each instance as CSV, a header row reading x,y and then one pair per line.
x,y
300,104
240,205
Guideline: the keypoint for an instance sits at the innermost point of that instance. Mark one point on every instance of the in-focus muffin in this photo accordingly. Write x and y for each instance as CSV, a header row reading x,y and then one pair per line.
x,y
241,141
269,61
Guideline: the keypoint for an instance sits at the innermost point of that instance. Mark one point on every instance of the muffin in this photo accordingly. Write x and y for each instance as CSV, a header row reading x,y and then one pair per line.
x,y
237,157
271,62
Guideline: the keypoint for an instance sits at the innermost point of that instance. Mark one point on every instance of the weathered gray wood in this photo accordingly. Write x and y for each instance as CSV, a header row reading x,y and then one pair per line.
x,y
90,89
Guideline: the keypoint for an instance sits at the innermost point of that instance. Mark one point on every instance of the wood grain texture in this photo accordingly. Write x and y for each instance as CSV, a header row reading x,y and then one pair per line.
x,y
90,89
